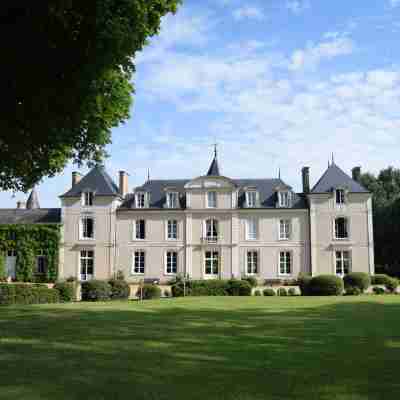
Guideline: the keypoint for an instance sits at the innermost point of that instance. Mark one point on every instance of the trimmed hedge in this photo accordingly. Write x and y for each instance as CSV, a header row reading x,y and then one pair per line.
x,y
96,291
353,291
27,294
282,292
380,279
239,287
257,293
149,291
392,284
359,280
326,285
252,280
304,284
66,291
269,292
292,292
378,290
119,289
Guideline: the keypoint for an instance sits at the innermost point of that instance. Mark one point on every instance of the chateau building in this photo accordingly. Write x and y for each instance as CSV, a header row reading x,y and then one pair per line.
x,y
211,226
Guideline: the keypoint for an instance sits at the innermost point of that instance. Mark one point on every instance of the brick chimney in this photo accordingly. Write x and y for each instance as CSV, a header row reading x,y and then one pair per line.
x,y
76,177
305,172
356,173
123,183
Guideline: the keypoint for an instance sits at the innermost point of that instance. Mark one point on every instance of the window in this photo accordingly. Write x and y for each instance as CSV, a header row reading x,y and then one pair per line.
x,y
342,262
211,199
285,263
171,266
284,199
11,253
251,229
340,196
252,262
284,229
41,263
87,265
140,229
172,200
11,235
211,262
87,199
140,200
138,263
172,229
251,199
341,228
211,230
87,228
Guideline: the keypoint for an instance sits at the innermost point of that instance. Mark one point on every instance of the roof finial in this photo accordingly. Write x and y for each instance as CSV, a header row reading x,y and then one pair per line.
x,y
148,174
333,159
279,174
215,149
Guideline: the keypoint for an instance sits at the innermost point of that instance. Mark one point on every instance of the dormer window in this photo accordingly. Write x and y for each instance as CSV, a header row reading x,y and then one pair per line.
x,y
172,200
140,200
284,199
87,199
340,196
251,198
211,199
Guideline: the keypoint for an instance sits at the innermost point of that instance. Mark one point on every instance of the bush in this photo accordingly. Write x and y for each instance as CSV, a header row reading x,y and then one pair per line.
x,y
66,291
292,292
252,281
237,287
96,291
326,285
269,292
304,284
379,279
392,284
359,280
27,294
148,292
353,291
119,289
378,290
177,290
167,293
257,293
282,292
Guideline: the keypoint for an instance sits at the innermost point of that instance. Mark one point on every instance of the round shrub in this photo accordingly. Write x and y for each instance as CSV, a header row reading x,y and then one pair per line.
x,y
304,284
282,292
96,291
252,280
66,291
257,293
239,288
359,280
326,285
167,293
352,291
119,289
177,290
269,292
292,292
392,284
378,290
149,291
380,279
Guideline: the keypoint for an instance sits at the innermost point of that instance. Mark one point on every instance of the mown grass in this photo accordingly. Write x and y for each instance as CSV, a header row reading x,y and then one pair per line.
x,y
254,348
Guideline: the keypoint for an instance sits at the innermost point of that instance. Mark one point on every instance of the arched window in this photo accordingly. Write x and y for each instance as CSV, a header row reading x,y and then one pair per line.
x,y
341,228
211,230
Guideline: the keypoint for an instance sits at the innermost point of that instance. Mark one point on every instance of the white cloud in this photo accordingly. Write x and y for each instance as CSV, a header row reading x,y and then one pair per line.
x,y
297,6
312,55
248,12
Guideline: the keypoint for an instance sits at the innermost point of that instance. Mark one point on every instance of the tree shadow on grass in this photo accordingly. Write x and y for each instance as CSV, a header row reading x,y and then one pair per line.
x,y
192,350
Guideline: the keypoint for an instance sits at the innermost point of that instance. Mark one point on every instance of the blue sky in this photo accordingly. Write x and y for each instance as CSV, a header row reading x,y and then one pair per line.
x,y
277,83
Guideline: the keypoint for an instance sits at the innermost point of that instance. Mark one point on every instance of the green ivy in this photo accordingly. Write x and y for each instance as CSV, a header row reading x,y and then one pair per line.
x,y
27,240
2,267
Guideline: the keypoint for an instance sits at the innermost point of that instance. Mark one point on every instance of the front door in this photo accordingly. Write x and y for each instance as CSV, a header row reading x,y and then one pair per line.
x,y
10,264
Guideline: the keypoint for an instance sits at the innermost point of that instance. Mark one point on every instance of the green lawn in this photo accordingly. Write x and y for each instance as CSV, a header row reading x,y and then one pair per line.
x,y
203,349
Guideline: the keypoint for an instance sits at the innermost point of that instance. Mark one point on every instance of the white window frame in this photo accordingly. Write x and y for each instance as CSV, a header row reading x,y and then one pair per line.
x,y
41,256
135,230
140,267
285,199
87,198
166,262
82,229
171,222
347,228
285,252
251,235
175,196
286,232
257,265
212,260
86,276
342,260
140,200
211,195
341,196
214,228
251,198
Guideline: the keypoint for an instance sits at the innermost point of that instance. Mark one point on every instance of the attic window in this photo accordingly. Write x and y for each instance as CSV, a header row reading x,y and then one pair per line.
x,y
251,198
87,199
340,196
172,199
284,199
140,200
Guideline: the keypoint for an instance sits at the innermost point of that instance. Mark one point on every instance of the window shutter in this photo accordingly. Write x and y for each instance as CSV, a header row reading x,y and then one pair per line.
x,y
258,201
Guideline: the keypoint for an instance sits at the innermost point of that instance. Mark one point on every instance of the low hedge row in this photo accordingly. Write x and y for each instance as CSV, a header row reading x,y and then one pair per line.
x,y
96,290
212,287
27,294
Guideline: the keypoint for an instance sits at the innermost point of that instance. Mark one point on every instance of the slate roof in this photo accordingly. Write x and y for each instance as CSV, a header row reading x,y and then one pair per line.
x,y
97,181
214,168
334,177
265,187
24,216
33,200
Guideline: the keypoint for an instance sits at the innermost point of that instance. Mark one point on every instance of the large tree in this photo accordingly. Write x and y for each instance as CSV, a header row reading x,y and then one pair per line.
x,y
66,68
386,207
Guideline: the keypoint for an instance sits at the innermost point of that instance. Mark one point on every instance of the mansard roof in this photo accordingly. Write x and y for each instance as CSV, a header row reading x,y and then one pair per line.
x,y
97,181
333,178
25,216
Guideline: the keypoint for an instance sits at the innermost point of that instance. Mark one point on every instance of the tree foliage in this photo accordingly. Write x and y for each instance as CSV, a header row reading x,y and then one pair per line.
x,y
67,67
385,188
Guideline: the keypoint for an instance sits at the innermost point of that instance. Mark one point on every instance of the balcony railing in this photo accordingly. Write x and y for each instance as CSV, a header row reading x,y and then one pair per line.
x,y
209,239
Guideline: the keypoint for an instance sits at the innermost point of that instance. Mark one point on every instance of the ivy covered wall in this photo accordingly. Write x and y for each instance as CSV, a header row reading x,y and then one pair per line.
x,y
28,241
